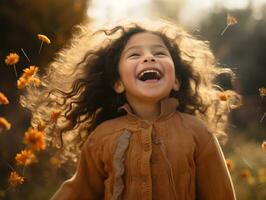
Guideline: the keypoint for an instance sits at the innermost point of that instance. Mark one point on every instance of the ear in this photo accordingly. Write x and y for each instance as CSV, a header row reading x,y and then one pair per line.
x,y
176,85
119,87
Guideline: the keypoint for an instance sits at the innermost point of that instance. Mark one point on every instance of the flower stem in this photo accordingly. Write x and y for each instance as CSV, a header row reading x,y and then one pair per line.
x,y
40,48
225,29
14,66
25,55
261,120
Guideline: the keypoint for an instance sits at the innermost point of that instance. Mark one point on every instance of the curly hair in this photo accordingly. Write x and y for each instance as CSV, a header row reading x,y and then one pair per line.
x,y
79,82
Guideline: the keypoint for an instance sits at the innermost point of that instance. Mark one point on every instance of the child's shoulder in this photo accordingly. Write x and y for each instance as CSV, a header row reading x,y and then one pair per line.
x,y
198,127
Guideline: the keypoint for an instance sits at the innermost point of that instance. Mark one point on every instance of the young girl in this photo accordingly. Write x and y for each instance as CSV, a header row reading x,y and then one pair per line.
x,y
135,96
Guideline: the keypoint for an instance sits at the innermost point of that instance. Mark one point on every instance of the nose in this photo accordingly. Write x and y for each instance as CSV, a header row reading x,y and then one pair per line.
x,y
149,58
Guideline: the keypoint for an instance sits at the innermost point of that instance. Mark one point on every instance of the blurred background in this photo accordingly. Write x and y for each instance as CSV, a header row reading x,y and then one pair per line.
x,y
242,48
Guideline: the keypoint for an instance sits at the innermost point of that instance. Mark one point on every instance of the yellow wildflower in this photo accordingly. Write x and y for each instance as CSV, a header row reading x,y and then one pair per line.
x,y
44,38
4,124
12,59
25,157
35,139
15,179
3,99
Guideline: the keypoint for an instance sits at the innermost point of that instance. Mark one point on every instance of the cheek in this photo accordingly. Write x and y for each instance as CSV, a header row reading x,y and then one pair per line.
x,y
126,70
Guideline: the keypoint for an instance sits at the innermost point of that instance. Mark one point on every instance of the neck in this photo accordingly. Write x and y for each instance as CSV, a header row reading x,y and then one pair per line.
x,y
146,110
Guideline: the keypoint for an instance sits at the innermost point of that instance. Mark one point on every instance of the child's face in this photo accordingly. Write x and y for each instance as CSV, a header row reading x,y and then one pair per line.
x,y
146,68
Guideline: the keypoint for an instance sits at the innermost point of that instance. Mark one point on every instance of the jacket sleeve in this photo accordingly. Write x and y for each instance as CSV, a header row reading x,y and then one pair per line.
x,y
88,180
213,180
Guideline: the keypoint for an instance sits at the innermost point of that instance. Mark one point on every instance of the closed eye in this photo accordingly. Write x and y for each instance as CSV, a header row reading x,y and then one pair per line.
x,y
159,53
134,55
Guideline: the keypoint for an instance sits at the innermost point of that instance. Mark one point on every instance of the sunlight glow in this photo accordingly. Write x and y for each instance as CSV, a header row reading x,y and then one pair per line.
x,y
192,12
110,10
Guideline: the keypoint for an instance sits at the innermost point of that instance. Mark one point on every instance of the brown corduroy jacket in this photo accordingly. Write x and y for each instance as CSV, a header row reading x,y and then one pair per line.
x,y
173,158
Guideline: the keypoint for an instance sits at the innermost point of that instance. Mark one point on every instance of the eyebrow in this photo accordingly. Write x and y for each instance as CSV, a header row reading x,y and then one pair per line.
x,y
139,46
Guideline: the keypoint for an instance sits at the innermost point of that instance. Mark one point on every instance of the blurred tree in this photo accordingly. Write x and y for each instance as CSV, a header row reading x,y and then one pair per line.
x,y
21,21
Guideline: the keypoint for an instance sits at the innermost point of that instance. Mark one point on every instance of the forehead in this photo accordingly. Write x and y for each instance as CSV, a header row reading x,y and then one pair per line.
x,y
144,39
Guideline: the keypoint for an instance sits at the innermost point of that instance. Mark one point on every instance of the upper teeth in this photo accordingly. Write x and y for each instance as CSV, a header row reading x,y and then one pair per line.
x,y
149,70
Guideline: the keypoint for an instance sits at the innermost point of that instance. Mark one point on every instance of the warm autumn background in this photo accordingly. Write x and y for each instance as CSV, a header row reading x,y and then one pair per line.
x,y
242,47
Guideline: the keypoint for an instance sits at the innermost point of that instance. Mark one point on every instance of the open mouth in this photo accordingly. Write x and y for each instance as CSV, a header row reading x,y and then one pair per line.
x,y
150,74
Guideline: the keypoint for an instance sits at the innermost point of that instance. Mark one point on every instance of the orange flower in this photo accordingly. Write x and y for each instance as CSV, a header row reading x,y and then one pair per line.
x,y
4,124
35,81
21,83
3,99
263,145
44,38
56,162
15,179
12,59
224,96
55,115
30,71
262,91
25,157
231,20
245,173
230,164
28,77
35,139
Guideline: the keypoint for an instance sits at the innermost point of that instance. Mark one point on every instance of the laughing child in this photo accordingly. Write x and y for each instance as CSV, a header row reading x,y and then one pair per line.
x,y
141,101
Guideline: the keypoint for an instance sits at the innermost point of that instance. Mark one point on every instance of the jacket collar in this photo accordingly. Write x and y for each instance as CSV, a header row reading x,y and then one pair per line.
x,y
167,105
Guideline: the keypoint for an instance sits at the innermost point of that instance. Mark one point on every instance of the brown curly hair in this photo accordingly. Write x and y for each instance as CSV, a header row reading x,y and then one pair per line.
x,y
80,82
